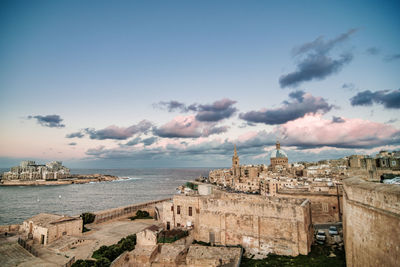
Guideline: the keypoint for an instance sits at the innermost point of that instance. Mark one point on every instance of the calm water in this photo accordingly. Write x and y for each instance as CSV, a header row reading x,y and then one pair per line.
x,y
18,203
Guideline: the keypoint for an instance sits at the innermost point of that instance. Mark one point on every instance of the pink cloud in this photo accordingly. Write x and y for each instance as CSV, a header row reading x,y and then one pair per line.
x,y
188,127
313,130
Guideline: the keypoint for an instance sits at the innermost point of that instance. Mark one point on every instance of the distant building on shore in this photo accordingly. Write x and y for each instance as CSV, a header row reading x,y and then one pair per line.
x,y
28,170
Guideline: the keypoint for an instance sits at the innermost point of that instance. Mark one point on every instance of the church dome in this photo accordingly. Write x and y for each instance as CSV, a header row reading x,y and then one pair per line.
x,y
277,153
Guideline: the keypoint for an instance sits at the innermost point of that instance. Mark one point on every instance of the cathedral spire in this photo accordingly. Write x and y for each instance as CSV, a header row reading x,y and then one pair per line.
x,y
235,152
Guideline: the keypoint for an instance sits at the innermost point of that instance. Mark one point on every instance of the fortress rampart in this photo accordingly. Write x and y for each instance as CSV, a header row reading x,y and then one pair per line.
x,y
371,223
126,211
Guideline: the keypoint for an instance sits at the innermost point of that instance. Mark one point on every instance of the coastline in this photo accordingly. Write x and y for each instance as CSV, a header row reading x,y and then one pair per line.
x,y
73,179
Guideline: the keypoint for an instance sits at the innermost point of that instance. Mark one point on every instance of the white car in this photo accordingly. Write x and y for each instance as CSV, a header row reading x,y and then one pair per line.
x,y
333,230
321,235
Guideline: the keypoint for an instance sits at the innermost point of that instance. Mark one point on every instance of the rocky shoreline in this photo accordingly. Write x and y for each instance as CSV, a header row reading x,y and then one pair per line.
x,y
72,179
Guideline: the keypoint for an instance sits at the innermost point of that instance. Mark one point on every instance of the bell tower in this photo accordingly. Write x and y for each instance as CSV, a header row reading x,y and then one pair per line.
x,y
235,162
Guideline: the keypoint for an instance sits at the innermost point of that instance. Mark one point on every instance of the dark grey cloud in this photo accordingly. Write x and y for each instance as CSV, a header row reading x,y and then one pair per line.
x,y
149,141
299,104
391,121
75,135
188,127
392,57
337,119
174,105
119,133
133,142
216,111
349,86
373,51
387,98
72,144
314,61
219,110
52,121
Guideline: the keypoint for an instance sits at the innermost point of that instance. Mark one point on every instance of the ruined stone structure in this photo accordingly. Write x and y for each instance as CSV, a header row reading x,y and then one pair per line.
x,y
260,224
371,223
148,252
30,171
45,228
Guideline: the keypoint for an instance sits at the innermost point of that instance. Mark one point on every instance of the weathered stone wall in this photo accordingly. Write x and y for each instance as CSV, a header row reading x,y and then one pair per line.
x,y
12,228
127,211
371,223
260,224
325,207
71,228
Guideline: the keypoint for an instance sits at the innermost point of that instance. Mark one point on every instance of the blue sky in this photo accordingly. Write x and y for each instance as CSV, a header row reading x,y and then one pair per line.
x,y
107,70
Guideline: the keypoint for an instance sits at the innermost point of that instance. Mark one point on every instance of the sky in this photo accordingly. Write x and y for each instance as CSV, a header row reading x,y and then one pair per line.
x,y
128,84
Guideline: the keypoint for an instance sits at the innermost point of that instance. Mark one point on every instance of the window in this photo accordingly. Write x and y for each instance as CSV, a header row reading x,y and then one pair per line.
x,y
325,207
178,209
178,225
168,225
172,208
190,211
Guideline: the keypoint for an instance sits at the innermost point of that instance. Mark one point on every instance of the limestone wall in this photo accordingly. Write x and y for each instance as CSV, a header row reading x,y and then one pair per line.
x,y
371,222
71,228
12,228
325,208
127,211
260,224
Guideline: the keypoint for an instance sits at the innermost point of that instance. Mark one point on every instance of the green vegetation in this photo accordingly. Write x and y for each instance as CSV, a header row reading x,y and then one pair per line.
x,y
141,214
319,256
106,254
191,185
87,217
84,263
112,252
103,262
170,236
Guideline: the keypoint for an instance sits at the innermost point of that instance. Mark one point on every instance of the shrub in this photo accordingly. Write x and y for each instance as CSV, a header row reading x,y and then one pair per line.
x,y
191,185
141,214
84,263
88,217
112,252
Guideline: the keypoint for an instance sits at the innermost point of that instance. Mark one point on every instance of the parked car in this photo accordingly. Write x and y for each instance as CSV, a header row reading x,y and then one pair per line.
x,y
333,230
320,235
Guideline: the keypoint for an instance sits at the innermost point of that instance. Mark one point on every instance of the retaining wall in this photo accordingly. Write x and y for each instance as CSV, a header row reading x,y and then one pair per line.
x,y
126,211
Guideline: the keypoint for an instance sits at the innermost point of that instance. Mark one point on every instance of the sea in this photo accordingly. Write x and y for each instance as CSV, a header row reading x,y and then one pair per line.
x,y
18,203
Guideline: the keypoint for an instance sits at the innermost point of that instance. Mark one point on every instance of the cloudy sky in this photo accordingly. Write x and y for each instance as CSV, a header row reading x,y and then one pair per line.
x,y
112,84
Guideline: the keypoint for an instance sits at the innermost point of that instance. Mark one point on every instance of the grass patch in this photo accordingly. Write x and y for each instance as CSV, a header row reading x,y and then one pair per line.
x,y
317,257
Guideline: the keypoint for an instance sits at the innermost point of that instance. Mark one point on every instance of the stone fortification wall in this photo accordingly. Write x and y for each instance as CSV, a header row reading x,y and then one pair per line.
x,y
127,211
12,228
371,222
260,224
325,207
58,230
